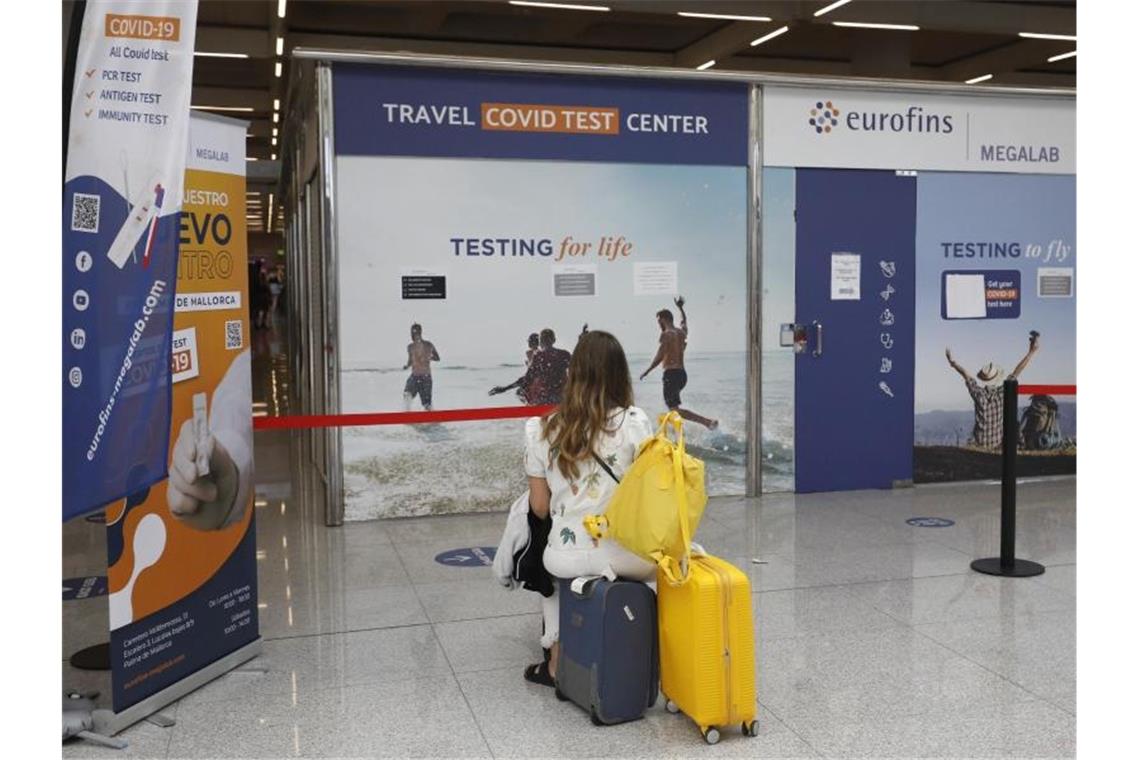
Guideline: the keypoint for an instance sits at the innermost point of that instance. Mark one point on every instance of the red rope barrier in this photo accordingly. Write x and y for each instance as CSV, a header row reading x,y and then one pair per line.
x,y
297,422
1051,390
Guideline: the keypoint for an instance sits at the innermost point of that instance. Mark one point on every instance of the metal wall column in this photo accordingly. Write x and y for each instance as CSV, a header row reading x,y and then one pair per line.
x,y
754,464
329,346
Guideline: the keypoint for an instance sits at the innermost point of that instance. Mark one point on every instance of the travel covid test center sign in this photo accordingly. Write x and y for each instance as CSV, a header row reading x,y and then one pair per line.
x,y
123,189
486,207
182,554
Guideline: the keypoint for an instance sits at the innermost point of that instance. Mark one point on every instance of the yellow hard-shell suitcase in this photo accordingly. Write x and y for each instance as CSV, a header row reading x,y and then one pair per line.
x,y
706,641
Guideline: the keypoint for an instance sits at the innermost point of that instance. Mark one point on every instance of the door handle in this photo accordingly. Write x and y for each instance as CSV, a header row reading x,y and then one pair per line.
x,y
818,350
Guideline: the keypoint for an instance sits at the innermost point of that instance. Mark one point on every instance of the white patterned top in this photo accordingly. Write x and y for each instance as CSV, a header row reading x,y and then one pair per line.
x,y
570,501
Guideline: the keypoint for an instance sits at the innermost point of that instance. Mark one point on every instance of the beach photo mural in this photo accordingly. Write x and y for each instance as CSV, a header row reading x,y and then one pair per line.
x,y
465,280
996,277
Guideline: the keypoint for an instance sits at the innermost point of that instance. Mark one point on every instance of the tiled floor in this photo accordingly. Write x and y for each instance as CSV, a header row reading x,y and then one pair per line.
x,y
874,639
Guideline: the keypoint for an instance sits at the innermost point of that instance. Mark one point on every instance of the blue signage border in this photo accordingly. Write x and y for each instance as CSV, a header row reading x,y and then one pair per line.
x,y
398,111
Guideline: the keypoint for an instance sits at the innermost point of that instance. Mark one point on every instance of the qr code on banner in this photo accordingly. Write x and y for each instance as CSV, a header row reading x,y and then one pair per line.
x,y
84,212
233,334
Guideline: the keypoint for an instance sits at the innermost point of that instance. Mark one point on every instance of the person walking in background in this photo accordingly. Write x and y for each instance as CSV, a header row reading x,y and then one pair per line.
x,y
253,272
987,398
421,353
596,421
259,294
671,356
545,378
275,289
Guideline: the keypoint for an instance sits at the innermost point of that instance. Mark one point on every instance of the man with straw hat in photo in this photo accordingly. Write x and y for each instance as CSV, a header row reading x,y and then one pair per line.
x,y
987,395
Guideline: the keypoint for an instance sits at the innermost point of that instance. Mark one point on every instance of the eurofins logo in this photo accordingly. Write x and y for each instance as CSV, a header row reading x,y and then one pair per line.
x,y
824,117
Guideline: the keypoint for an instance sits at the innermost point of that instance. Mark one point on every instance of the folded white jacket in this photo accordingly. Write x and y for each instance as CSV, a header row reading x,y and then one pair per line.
x,y
516,534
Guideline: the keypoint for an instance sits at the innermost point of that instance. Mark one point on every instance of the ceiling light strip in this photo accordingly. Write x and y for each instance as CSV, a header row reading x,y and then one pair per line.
x,y
243,109
768,36
706,65
1038,36
722,16
830,8
204,54
982,78
1063,56
561,6
868,25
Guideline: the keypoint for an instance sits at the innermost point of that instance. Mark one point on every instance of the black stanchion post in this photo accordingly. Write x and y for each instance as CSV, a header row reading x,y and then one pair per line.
x,y
1008,564
1009,436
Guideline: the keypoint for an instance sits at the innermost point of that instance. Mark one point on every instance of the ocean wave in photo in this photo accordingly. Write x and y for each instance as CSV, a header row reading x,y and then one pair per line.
x,y
406,470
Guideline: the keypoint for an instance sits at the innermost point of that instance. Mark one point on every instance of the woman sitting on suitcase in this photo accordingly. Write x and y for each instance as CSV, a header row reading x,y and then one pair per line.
x,y
597,419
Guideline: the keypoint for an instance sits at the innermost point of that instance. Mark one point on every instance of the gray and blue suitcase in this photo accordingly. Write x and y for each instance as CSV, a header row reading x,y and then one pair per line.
x,y
608,664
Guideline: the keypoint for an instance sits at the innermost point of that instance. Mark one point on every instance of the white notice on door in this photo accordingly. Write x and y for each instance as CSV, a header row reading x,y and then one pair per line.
x,y
845,276
655,278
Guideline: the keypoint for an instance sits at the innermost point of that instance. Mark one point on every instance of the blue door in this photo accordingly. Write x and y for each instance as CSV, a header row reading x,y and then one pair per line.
x,y
855,293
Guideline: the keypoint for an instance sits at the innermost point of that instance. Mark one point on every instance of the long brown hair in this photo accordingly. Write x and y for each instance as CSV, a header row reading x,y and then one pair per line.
x,y
598,381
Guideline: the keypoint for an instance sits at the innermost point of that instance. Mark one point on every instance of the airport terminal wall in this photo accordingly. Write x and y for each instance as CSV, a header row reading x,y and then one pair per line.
x,y
485,203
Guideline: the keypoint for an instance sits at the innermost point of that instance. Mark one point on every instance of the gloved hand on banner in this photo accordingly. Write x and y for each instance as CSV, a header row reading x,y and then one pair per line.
x,y
220,498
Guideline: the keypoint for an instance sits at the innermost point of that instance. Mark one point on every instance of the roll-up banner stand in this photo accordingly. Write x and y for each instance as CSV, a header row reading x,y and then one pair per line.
x,y
122,192
183,570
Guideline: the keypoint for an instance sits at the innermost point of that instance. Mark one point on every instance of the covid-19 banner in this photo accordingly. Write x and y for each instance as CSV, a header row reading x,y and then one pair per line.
x,y
123,189
182,554
484,220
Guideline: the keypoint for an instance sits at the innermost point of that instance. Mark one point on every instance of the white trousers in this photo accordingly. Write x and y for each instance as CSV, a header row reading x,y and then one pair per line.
x,y
608,558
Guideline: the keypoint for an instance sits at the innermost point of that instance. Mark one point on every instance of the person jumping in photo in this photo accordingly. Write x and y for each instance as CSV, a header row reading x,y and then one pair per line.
x,y
421,353
545,377
671,356
988,397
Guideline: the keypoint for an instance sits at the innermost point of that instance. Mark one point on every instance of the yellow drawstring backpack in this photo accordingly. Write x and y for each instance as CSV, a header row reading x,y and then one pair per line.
x,y
658,503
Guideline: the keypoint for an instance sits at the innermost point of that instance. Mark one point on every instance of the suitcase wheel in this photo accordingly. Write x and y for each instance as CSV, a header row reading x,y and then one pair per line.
x,y
751,729
712,735
558,693
672,707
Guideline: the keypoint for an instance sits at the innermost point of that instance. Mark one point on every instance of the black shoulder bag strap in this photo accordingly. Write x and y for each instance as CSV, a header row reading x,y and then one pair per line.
x,y
605,467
